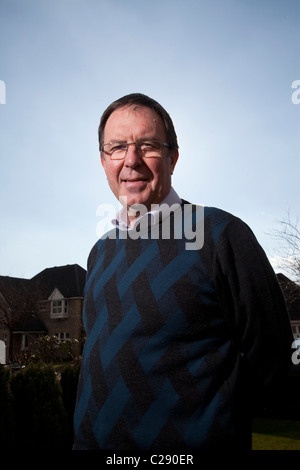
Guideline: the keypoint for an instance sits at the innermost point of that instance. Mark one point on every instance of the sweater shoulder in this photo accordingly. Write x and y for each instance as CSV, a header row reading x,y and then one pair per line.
x,y
216,222
99,247
215,216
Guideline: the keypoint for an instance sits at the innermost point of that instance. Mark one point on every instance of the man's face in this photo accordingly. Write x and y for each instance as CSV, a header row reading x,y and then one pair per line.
x,y
142,180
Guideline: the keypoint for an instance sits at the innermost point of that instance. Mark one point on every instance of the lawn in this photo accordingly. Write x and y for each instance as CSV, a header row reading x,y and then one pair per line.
x,y
275,434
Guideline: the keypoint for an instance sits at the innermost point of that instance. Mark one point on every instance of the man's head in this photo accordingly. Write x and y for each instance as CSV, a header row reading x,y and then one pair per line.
x,y
143,177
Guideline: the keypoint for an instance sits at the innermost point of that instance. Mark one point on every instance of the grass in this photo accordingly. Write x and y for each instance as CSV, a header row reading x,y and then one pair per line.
x,y
275,434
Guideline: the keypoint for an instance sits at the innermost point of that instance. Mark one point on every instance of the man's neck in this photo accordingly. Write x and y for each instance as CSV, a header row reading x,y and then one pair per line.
x,y
125,222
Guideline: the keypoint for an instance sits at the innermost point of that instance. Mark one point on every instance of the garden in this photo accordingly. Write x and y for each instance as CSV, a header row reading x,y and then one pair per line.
x,y
37,401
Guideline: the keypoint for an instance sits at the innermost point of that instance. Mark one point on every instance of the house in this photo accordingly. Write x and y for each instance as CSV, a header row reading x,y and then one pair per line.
x,y
51,304
48,304
291,292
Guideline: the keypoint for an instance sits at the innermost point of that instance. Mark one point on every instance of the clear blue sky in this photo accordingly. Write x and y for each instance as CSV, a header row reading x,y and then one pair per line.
x,y
222,68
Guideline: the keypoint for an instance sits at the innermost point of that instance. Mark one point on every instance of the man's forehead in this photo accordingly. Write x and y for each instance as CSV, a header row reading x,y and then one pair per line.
x,y
136,109
128,117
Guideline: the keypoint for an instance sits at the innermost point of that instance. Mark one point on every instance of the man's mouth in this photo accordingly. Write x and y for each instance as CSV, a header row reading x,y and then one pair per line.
x,y
135,180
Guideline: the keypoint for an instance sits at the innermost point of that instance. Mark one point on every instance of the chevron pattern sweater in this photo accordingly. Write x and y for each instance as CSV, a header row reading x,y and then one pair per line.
x,y
178,341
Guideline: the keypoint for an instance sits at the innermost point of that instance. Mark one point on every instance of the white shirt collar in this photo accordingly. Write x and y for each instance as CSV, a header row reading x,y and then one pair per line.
x,y
154,216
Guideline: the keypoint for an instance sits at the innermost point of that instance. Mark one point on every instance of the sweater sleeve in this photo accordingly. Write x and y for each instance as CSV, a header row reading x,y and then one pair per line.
x,y
253,303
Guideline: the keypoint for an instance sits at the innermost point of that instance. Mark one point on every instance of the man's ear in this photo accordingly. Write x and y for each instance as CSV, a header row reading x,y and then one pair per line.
x,y
102,160
173,160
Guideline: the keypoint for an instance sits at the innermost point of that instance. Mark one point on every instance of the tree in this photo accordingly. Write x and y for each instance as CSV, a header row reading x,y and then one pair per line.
x,y
17,304
289,236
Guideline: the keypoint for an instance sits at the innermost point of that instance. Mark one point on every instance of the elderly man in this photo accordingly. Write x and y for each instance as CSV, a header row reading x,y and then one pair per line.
x,y
181,342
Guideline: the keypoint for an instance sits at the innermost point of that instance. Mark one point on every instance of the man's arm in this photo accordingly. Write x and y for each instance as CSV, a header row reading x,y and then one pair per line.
x,y
252,300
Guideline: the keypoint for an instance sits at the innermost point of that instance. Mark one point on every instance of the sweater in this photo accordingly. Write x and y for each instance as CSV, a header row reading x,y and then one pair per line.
x,y
181,344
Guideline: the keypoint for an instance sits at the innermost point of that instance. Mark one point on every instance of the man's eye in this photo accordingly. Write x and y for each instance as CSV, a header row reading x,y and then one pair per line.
x,y
148,146
118,148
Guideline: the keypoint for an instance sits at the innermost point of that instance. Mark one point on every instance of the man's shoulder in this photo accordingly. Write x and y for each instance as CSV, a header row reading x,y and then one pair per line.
x,y
215,214
218,215
99,246
217,222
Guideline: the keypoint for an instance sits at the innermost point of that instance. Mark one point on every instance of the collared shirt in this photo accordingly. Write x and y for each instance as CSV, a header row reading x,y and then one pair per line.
x,y
154,216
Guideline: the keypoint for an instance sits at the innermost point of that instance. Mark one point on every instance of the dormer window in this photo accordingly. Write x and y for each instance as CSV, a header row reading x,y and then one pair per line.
x,y
59,305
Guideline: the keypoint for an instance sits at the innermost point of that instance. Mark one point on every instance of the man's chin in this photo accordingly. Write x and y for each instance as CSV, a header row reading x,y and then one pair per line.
x,y
128,201
140,206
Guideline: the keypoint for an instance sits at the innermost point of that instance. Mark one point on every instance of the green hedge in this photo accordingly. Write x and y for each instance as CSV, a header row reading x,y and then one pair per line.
x,y
7,415
36,407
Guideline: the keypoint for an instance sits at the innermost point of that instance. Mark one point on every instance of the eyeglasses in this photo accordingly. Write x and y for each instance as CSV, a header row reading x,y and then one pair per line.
x,y
147,148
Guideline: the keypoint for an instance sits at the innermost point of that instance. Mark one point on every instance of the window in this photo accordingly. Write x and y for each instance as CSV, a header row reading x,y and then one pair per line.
x,y
63,336
59,305
59,308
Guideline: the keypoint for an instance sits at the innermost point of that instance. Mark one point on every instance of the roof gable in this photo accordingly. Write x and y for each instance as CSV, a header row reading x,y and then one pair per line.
x,y
56,295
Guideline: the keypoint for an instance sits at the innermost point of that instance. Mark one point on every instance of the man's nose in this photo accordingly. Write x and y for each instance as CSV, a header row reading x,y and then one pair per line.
x,y
132,157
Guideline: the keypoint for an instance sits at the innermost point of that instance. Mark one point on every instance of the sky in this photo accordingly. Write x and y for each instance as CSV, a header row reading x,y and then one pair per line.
x,y
224,71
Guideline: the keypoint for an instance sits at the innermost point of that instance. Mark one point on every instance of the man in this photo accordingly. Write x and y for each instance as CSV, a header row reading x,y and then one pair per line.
x,y
181,344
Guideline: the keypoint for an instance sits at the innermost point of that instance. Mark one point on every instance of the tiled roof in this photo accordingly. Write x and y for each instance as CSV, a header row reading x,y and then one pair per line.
x,y
69,280
12,286
19,293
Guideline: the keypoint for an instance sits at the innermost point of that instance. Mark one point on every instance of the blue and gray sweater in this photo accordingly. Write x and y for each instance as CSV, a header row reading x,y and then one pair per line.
x,y
179,343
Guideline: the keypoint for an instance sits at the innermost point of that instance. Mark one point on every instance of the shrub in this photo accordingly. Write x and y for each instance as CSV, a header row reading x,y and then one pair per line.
x,y
41,421
49,349
7,419
69,381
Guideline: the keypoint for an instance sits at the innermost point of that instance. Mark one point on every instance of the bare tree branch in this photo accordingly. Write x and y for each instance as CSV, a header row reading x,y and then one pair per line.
x,y
289,250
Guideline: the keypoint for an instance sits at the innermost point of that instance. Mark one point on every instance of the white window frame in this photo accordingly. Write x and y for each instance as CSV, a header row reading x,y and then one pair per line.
x,y
63,336
59,308
59,305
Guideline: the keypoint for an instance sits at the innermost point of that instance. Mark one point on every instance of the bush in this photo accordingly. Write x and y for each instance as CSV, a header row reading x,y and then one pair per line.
x,y
41,420
69,381
49,349
37,406
7,418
